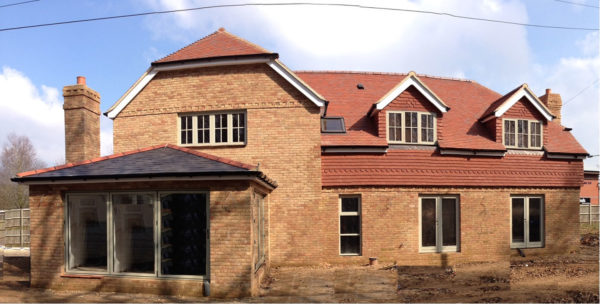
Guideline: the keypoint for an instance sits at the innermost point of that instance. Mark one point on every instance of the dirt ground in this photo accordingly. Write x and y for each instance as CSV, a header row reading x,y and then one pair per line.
x,y
572,278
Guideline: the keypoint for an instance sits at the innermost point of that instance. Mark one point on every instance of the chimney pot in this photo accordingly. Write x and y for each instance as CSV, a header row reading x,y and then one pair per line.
x,y
548,91
81,80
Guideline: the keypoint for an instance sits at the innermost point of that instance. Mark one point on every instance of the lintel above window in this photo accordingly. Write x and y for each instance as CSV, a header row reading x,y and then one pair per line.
x,y
212,129
411,127
333,125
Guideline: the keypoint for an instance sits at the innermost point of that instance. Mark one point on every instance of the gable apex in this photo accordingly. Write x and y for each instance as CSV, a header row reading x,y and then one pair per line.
x,y
411,80
507,101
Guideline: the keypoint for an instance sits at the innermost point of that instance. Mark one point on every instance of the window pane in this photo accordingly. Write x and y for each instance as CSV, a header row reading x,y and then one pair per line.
x,y
411,127
87,231
449,222
535,219
536,137
350,244
349,224
428,215
518,216
183,234
203,128
333,124
186,129
427,127
509,132
522,133
349,204
395,126
133,218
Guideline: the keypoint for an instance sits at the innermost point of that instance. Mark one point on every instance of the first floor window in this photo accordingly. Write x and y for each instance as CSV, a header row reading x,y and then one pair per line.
x,y
350,243
144,233
522,133
212,129
439,218
527,221
411,127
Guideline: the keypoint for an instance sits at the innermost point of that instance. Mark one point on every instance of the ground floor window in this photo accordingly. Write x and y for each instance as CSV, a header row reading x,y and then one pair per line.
x,y
527,221
439,220
141,233
350,235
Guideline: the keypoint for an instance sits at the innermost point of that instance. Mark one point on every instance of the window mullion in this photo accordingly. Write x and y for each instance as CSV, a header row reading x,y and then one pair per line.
x,y
438,224
526,221
211,127
109,231
157,227
230,127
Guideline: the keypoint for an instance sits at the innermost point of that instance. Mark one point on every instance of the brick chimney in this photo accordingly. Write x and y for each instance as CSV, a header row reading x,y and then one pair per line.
x,y
82,122
553,102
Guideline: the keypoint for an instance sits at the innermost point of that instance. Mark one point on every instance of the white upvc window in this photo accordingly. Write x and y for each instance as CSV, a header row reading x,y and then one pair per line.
x,y
522,133
527,221
208,129
144,234
439,224
411,127
350,225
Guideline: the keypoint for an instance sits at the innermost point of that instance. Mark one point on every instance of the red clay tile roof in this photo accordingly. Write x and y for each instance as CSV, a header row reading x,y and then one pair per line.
x,y
468,102
561,141
218,44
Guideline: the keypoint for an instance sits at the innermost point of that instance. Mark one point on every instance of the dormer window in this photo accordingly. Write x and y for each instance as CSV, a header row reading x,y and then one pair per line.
x,y
522,133
212,129
406,127
332,125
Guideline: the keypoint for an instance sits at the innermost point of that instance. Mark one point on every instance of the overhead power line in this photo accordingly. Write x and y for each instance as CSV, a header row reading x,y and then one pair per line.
x,y
575,3
18,3
299,4
580,92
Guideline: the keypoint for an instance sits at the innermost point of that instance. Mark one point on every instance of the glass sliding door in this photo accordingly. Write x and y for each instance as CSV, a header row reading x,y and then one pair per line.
x,y
87,232
527,222
439,224
133,230
184,233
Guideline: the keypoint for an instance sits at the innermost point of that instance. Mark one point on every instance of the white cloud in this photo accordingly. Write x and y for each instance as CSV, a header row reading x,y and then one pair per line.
x,y
37,113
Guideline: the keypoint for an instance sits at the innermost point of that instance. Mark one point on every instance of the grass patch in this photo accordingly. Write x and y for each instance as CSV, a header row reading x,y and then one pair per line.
x,y
586,228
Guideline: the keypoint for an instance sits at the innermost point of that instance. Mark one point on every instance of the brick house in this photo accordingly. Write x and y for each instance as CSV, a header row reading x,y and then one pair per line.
x,y
590,189
228,163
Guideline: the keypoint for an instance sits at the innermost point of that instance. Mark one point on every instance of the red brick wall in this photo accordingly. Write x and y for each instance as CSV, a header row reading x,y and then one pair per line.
x,y
590,188
230,241
390,224
283,135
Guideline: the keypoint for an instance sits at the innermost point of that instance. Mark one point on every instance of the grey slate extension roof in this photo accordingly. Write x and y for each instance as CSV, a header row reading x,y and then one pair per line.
x,y
156,161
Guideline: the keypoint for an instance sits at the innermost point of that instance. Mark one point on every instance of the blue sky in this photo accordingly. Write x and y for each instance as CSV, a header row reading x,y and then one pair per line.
x,y
36,63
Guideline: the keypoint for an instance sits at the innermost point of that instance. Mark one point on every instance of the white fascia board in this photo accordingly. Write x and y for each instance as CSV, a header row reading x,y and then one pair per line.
x,y
141,84
293,80
523,92
411,81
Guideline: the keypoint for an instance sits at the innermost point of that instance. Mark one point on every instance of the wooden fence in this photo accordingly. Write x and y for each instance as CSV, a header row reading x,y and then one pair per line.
x,y
589,213
14,228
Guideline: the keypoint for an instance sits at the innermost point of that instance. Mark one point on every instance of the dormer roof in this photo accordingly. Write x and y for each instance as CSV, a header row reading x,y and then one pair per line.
x,y
504,103
410,80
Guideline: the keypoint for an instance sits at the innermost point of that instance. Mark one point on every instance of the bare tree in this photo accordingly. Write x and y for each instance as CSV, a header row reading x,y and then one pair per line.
x,y
18,155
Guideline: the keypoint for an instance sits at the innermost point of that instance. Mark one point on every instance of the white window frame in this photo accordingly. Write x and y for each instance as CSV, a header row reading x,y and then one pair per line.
x,y
420,141
110,235
526,243
212,129
352,213
439,225
530,122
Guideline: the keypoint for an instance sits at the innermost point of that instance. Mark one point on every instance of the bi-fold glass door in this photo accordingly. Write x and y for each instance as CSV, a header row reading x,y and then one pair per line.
x,y
527,221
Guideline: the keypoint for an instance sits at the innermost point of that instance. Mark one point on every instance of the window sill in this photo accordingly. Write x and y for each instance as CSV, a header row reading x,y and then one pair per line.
x,y
350,254
81,276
